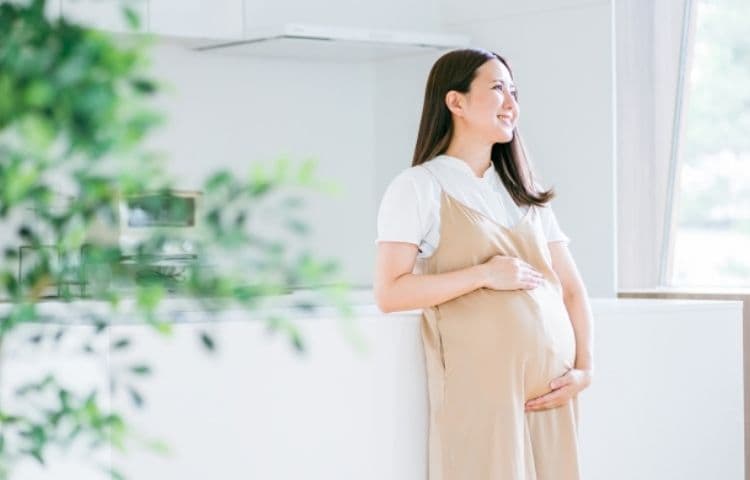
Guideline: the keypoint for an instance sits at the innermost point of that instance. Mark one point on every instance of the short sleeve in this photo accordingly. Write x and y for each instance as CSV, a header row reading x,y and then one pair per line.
x,y
401,216
552,229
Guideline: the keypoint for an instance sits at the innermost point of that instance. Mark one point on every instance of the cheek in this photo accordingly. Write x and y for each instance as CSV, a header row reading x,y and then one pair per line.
x,y
493,105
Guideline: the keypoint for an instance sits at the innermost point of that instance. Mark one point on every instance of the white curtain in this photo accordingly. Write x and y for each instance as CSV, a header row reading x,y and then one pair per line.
x,y
649,36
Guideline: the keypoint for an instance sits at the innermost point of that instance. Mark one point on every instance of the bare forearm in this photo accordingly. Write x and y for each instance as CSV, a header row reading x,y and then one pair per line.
x,y
413,291
582,319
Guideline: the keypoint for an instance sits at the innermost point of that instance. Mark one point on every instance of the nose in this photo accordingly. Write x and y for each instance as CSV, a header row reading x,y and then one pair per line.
x,y
510,103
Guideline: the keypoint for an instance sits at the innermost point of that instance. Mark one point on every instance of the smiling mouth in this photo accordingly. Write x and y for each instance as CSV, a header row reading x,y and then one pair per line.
x,y
505,119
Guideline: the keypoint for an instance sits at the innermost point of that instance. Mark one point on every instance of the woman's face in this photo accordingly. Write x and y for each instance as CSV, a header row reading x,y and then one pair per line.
x,y
490,109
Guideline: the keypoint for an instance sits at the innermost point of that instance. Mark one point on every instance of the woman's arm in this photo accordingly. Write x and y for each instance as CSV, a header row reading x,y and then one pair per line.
x,y
580,376
397,288
576,302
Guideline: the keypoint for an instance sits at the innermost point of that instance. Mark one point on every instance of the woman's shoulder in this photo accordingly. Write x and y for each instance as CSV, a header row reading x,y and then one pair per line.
x,y
416,178
409,207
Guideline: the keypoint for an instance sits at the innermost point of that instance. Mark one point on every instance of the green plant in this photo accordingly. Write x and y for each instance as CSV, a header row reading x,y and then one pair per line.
x,y
74,109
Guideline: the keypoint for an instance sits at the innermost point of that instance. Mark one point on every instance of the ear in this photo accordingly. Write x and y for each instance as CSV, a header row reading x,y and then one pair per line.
x,y
455,102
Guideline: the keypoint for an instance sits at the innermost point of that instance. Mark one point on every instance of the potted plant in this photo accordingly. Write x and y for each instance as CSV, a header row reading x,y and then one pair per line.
x,y
74,183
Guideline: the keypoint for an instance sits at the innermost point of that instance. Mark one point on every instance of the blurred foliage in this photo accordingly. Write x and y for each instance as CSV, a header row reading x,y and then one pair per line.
x,y
715,180
718,114
74,110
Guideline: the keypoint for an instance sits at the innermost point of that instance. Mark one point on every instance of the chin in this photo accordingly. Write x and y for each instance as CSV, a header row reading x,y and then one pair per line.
x,y
506,138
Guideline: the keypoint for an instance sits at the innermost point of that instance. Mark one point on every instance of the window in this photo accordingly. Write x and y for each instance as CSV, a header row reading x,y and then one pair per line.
x,y
712,185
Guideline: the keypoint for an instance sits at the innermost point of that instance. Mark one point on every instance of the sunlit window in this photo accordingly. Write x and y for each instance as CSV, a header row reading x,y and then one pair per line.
x,y
712,237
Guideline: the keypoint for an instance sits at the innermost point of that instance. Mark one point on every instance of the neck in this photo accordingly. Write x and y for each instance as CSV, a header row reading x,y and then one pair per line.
x,y
477,156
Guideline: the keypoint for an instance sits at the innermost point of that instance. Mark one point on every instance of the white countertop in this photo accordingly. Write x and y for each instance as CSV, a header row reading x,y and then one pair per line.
x,y
362,304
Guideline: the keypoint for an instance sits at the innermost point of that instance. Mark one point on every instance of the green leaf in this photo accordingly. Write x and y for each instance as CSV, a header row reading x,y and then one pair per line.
x,y
24,178
150,295
306,172
39,93
121,344
208,342
38,130
135,397
141,370
297,341
131,17
281,169
144,85
297,226
114,473
64,396
23,313
159,447
37,455
218,180
59,335
293,202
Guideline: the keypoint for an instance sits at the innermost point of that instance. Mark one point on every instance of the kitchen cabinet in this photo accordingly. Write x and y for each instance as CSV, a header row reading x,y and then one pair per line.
x,y
106,15
255,409
216,19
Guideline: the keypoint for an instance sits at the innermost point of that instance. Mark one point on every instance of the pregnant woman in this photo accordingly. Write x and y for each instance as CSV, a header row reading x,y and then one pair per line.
x,y
467,235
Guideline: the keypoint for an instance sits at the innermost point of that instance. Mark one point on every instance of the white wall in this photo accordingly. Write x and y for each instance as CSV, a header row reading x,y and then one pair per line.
x,y
561,55
560,52
226,111
360,120
399,91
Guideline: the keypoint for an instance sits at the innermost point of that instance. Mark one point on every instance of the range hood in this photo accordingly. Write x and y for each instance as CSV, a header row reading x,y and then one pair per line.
x,y
334,43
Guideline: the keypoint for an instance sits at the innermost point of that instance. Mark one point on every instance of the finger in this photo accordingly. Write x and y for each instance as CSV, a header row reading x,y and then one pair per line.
x,y
535,274
545,406
560,393
532,279
561,381
544,398
552,402
530,268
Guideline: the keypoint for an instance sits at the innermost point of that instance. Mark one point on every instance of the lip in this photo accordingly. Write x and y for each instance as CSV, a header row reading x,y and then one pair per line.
x,y
506,119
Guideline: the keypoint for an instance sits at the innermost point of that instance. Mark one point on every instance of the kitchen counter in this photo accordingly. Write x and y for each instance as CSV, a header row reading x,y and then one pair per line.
x,y
667,393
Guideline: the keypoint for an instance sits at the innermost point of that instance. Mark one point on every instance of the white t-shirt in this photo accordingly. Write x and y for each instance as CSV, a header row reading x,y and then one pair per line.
x,y
410,207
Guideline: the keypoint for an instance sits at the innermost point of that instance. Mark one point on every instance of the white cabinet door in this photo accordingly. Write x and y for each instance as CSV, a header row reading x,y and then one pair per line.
x,y
106,14
221,19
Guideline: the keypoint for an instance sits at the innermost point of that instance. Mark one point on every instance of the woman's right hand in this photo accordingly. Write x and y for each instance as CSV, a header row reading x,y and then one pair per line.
x,y
503,272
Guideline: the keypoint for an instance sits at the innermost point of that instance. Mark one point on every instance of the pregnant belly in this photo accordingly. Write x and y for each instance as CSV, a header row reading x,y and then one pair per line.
x,y
523,338
552,352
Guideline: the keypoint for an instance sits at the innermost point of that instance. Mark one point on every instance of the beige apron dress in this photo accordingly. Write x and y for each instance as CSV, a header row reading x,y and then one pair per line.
x,y
489,351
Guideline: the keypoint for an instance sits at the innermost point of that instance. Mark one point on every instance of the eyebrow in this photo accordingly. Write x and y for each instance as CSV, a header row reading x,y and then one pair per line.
x,y
498,80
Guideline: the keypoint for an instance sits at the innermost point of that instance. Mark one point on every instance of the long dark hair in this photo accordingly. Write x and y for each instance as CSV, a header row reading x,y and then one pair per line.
x,y
454,71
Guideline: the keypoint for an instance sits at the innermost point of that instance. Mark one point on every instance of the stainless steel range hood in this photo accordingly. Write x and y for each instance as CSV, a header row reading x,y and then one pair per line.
x,y
316,42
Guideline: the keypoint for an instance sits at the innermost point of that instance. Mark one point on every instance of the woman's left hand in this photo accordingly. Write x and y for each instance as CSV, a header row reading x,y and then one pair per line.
x,y
563,388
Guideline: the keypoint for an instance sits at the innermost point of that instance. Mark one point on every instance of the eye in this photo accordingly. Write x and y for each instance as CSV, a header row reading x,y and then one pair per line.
x,y
501,87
